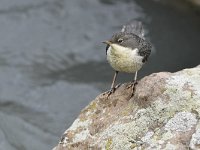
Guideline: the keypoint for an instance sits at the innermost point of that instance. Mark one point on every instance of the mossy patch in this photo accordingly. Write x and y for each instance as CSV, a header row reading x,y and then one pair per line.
x,y
92,106
108,144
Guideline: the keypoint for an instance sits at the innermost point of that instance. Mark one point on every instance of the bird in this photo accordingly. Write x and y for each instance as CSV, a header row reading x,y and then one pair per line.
x,y
127,51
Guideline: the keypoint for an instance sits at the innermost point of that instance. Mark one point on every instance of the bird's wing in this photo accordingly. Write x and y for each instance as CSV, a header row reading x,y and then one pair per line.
x,y
134,27
144,49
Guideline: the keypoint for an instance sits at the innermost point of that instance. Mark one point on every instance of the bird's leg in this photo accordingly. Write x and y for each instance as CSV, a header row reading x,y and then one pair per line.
x,y
114,79
133,84
135,78
113,88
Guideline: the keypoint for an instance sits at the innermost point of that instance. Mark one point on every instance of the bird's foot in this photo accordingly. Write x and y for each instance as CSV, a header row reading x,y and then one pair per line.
x,y
132,85
109,92
112,90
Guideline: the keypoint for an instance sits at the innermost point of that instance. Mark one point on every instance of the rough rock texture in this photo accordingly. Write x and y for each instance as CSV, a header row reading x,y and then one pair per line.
x,y
162,114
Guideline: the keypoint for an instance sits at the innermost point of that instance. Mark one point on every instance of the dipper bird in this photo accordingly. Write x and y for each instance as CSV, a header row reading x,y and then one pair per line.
x,y
127,51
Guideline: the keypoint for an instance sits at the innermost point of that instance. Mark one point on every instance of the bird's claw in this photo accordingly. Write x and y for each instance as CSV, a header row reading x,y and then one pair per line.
x,y
112,90
109,92
132,85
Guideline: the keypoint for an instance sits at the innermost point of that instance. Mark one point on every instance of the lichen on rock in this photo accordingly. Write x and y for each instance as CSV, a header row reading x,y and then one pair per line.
x,y
162,114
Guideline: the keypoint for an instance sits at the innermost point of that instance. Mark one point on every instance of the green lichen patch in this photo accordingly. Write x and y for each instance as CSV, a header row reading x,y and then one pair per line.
x,y
108,144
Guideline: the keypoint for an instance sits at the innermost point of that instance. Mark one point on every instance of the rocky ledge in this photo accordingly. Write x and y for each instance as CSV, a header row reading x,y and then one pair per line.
x,y
162,114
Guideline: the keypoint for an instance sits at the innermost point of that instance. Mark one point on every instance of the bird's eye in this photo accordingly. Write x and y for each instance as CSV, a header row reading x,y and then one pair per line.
x,y
120,40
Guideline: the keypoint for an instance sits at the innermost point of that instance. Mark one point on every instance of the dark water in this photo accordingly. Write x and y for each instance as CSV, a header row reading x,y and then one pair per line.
x,y
52,62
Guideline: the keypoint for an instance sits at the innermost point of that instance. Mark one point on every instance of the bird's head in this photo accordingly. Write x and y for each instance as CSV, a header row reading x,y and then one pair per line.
x,y
122,39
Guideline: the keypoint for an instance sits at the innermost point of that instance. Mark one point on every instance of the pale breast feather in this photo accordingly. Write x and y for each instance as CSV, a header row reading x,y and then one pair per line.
x,y
124,59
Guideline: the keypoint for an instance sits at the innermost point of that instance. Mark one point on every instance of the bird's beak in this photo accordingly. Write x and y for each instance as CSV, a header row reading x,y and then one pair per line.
x,y
107,42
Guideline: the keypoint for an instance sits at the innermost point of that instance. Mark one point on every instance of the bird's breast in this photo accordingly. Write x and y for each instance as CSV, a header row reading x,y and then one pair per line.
x,y
124,59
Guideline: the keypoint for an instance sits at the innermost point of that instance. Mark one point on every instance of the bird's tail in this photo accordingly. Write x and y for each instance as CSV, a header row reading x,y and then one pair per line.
x,y
134,27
